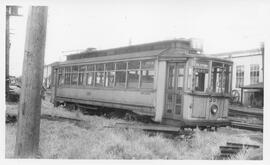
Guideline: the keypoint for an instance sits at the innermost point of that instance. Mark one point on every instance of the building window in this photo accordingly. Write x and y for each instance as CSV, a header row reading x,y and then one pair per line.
x,y
254,73
239,76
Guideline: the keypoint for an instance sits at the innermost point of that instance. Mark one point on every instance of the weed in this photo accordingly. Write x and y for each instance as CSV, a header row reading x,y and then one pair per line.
x,y
90,140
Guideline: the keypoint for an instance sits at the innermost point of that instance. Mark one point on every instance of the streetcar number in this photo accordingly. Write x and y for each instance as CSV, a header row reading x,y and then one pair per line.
x,y
212,99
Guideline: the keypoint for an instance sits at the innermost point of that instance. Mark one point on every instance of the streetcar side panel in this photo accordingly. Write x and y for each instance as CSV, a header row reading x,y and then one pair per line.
x,y
141,101
137,93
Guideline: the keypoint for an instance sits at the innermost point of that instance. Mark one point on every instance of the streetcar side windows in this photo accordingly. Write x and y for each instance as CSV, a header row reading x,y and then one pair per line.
x,y
147,78
147,74
109,74
61,76
82,69
74,75
90,78
130,74
120,75
99,75
90,75
133,74
67,75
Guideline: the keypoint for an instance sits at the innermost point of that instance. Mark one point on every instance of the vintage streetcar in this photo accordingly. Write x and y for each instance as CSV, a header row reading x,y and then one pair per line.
x,y
169,81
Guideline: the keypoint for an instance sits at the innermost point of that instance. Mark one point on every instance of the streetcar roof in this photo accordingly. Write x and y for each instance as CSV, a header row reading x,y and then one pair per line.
x,y
165,50
165,44
127,56
152,54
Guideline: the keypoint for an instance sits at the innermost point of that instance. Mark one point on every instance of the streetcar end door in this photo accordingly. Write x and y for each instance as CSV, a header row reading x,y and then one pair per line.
x,y
174,91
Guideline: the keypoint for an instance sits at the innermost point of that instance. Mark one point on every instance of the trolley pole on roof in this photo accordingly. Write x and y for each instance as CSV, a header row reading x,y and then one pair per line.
x,y
27,137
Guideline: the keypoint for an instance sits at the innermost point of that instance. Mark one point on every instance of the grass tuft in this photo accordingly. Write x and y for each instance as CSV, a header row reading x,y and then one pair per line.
x,y
90,140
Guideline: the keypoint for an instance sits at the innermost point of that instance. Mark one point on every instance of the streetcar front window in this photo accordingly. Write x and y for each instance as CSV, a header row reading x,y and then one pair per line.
x,y
201,70
221,77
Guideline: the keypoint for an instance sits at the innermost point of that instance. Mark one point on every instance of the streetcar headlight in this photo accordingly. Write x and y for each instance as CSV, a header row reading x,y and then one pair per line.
x,y
214,109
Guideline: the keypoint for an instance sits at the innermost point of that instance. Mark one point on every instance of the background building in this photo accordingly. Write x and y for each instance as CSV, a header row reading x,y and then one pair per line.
x,y
247,74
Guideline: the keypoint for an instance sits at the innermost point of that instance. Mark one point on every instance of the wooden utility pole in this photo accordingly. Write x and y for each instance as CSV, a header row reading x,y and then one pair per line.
x,y
27,137
7,48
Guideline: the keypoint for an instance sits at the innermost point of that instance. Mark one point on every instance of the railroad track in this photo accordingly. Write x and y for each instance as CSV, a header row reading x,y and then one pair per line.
x,y
246,119
231,149
247,126
245,113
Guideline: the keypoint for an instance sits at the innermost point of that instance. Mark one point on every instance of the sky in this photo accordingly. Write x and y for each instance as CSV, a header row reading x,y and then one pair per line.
x,y
221,25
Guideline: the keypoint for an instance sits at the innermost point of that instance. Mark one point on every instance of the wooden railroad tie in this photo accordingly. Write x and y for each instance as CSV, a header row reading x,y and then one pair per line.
x,y
247,126
165,130
232,149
